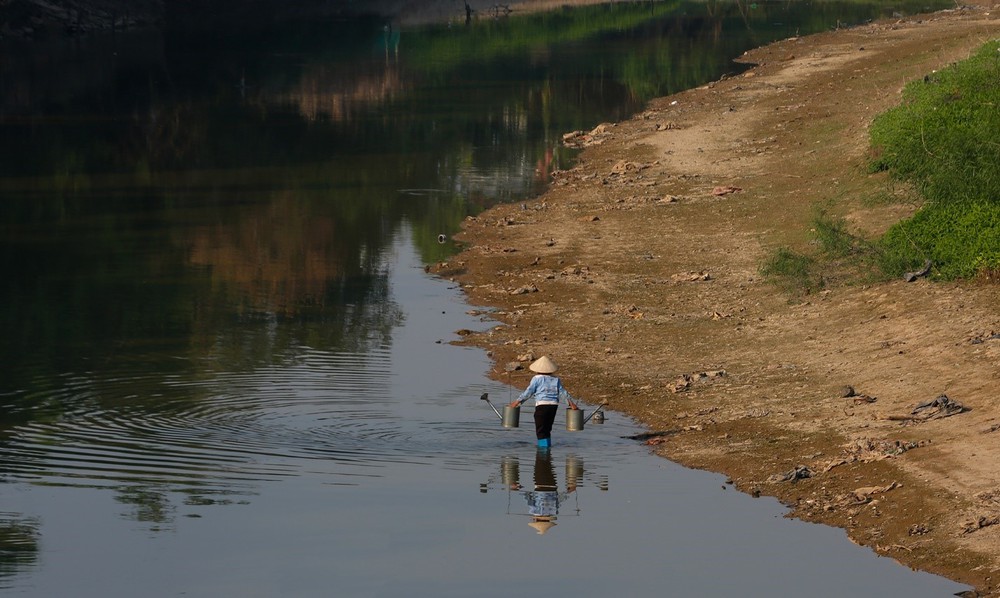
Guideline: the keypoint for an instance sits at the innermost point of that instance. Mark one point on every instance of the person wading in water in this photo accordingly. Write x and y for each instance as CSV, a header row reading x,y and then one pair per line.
x,y
547,390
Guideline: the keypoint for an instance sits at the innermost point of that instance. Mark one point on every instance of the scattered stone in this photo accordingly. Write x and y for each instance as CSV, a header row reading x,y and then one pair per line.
x,y
625,310
866,450
595,136
691,276
681,384
725,190
982,338
848,392
801,472
464,332
625,166
864,495
919,529
529,356
684,381
668,199
978,523
524,290
592,218
990,498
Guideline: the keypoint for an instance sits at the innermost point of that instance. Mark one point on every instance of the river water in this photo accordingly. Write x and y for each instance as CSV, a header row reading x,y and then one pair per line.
x,y
225,372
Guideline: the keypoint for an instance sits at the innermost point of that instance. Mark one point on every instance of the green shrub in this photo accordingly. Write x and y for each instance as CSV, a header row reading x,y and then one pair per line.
x,y
961,239
792,271
944,135
943,139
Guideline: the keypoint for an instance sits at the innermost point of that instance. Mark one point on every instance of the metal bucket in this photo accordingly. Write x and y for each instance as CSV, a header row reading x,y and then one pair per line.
x,y
574,420
511,416
574,472
510,472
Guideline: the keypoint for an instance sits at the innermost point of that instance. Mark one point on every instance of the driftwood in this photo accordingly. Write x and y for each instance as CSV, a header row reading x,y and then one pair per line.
x,y
911,276
936,409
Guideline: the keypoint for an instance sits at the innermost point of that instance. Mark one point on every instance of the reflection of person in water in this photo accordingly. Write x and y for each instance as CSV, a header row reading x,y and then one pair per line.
x,y
543,502
544,499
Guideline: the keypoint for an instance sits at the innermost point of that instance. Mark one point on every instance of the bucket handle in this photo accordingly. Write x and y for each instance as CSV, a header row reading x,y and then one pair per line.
x,y
603,403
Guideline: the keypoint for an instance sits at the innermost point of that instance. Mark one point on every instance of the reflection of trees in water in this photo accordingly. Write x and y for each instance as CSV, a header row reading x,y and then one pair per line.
x,y
315,268
149,505
281,256
164,286
18,545
324,93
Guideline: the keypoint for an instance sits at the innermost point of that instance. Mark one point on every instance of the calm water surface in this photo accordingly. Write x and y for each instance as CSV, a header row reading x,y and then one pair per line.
x,y
226,373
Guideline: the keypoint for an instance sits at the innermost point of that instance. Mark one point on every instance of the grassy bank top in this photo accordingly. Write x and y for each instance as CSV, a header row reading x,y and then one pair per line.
x,y
942,140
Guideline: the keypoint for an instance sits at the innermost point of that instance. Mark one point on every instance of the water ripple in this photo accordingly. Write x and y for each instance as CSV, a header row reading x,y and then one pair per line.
x,y
220,430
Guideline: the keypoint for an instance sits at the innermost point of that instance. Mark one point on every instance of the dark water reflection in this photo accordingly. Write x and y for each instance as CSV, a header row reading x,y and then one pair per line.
x,y
219,342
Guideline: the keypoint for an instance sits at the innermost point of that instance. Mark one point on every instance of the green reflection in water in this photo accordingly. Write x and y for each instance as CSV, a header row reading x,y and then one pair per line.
x,y
18,545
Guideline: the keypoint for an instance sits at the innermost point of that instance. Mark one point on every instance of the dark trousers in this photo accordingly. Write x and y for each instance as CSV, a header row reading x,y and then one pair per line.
x,y
545,416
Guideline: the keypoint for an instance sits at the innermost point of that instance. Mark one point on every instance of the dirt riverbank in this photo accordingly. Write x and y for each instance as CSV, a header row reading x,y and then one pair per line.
x,y
638,273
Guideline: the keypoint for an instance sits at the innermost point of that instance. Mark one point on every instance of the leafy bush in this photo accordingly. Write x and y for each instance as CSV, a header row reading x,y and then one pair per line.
x,y
943,138
962,239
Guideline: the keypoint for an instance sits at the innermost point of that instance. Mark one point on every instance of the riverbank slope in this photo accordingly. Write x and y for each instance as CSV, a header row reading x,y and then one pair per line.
x,y
638,273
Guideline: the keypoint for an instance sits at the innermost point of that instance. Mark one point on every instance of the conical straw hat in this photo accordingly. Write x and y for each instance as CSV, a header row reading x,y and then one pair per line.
x,y
543,365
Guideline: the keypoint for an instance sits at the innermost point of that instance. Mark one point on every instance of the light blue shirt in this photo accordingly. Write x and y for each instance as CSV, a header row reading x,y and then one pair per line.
x,y
546,389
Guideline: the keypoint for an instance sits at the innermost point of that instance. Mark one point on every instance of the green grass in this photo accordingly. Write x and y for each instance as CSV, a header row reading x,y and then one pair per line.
x,y
791,271
837,255
962,240
944,140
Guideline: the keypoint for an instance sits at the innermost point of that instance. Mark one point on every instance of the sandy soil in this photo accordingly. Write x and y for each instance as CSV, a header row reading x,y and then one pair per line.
x,y
638,273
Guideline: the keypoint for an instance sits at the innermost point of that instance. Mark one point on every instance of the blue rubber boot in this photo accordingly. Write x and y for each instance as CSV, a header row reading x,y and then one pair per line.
x,y
544,442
